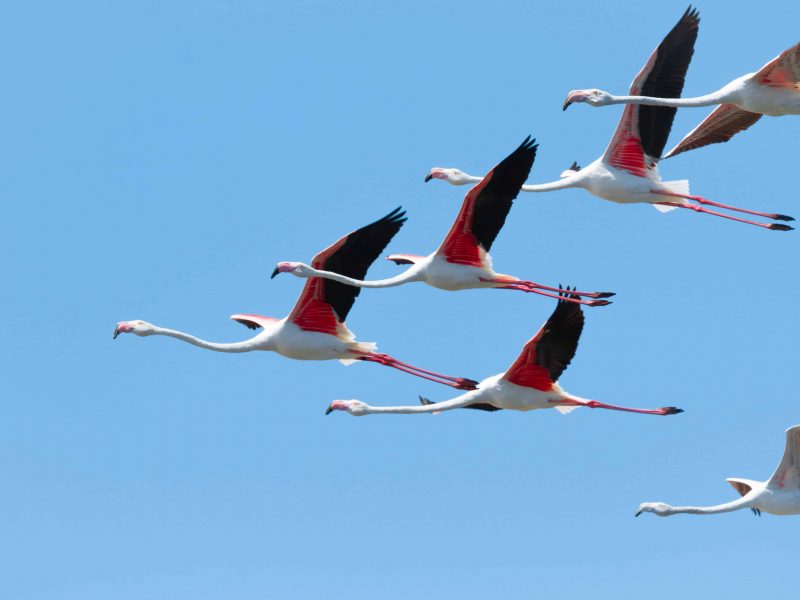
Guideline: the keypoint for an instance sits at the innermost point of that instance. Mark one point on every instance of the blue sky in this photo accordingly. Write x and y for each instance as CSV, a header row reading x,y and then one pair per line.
x,y
160,157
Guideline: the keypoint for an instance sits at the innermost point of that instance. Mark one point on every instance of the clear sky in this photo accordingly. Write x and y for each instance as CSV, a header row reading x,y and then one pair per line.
x,y
160,156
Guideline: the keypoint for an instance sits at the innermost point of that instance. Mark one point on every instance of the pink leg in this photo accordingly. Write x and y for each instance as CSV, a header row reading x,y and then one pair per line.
x,y
531,284
696,208
460,383
667,410
539,286
701,200
524,288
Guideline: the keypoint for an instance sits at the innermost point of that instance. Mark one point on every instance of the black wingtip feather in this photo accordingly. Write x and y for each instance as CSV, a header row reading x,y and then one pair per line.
x,y
665,80
501,187
358,250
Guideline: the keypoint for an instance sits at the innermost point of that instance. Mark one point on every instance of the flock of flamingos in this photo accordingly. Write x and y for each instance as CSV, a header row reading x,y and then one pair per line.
x,y
626,173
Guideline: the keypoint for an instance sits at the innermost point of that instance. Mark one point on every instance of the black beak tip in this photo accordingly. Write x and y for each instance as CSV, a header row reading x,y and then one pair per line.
x,y
274,273
116,333
566,105
637,513
328,411
428,177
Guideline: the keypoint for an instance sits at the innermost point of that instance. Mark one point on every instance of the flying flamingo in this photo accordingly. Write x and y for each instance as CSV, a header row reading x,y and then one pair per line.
x,y
315,329
530,383
627,172
773,90
463,261
780,495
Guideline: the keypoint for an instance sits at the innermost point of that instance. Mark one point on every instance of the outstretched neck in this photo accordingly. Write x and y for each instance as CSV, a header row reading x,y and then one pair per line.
x,y
411,274
561,184
457,402
245,346
708,100
743,502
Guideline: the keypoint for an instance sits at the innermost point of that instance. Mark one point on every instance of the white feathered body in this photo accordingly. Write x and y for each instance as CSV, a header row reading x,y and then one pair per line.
x,y
290,340
507,395
618,185
746,93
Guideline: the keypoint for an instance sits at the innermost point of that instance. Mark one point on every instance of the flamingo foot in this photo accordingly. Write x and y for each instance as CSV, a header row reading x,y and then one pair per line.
x,y
670,410
462,383
598,303
782,218
780,227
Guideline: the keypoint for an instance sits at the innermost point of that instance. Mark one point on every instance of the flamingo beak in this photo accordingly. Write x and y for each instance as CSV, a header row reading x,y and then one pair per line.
x,y
275,272
116,332
428,177
638,512
328,410
567,102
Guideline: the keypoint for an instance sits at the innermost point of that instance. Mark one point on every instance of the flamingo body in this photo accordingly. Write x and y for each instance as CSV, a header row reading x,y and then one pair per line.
x,y
501,393
621,186
436,271
749,94
290,340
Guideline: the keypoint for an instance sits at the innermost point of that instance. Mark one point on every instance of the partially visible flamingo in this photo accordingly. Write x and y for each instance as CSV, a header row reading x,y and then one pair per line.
x,y
315,329
779,495
627,173
530,383
773,90
462,261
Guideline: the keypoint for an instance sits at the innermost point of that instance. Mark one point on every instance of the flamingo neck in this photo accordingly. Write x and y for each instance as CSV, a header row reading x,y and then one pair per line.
x,y
743,502
457,402
245,346
410,274
708,100
561,184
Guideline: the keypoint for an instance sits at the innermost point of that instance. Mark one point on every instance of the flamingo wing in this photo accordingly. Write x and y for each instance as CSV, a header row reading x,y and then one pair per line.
x,y
722,124
643,130
254,321
486,206
782,71
547,354
323,303
787,475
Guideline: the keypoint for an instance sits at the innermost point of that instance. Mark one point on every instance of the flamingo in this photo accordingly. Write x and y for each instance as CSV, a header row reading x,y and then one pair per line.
x,y
628,172
773,90
462,261
315,329
780,495
530,383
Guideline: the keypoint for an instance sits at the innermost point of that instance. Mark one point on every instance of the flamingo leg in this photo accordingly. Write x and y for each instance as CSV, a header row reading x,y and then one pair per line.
x,y
696,208
524,288
666,410
540,286
460,383
701,200
534,285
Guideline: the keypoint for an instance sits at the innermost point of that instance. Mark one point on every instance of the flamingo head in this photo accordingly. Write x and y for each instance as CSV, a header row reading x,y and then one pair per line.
x,y
140,328
591,97
659,508
354,407
295,268
452,176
